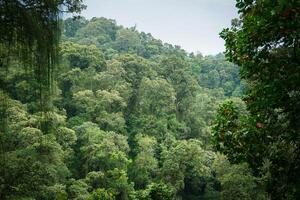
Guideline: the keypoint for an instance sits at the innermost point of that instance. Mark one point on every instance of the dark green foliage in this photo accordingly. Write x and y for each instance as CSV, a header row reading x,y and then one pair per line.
x,y
264,41
236,181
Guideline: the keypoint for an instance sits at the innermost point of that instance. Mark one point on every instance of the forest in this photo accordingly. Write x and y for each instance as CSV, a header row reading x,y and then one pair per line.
x,y
92,110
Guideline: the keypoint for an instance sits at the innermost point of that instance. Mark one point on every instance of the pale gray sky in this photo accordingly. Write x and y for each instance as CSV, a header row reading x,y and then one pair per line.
x,y
192,24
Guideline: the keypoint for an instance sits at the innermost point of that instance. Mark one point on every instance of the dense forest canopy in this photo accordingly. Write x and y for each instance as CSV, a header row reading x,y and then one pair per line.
x,y
123,115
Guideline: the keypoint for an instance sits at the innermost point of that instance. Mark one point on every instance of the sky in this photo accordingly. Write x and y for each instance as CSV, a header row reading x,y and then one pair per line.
x,y
192,24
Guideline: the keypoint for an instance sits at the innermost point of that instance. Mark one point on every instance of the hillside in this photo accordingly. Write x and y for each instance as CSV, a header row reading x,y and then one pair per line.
x,y
132,120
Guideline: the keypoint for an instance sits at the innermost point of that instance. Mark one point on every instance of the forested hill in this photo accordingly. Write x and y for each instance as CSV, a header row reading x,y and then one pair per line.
x,y
131,119
112,41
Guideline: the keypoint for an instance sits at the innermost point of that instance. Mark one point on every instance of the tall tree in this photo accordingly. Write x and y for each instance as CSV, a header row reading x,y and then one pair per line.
x,y
265,42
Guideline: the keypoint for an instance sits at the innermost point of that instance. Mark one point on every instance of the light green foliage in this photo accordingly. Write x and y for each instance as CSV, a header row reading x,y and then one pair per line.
x,y
155,107
156,97
201,114
72,25
104,108
145,166
186,166
98,31
114,79
156,191
177,71
127,41
101,194
100,150
83,56
57,191
135,68
117,180
30,156
65,137
78,190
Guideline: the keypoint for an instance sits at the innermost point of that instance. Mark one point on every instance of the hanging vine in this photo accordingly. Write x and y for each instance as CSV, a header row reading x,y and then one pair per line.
x,y
30,29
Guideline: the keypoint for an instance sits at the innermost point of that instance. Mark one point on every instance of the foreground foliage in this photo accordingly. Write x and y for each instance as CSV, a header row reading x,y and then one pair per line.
x,y
265,43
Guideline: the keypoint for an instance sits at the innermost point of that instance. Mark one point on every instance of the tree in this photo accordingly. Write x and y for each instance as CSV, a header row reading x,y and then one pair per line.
x,y
83,56
78,190
157,191
154,108
201,114
101,194
156,97
265,43
32,163
71,26
99,150
186,166
98,31
145,165
177,71
127,41
215,72
104,108
237,181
